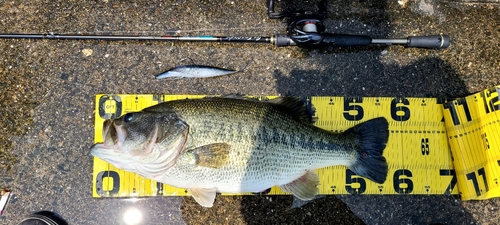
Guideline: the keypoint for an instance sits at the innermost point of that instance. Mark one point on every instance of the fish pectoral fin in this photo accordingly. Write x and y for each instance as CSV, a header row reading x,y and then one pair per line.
x,y
213,155
204,196
305,187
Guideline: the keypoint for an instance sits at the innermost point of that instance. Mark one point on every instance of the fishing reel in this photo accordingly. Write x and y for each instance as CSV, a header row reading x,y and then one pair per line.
x,y
306,29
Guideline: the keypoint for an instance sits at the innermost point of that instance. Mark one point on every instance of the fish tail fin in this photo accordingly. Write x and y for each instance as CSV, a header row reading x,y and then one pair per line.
x,y
243,69
369,161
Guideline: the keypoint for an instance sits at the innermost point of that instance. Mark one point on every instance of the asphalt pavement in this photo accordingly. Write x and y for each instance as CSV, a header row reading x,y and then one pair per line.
x,y
48,87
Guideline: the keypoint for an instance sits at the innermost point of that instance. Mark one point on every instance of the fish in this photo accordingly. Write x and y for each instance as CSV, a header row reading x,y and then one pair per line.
x,y
196,71
234,144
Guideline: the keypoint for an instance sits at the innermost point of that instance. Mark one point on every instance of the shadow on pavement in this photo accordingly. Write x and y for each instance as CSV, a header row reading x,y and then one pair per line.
x,y
365,71
427,77
268,210
371,71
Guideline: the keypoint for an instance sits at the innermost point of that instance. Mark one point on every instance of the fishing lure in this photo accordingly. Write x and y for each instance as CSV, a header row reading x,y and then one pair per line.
x,y
196,71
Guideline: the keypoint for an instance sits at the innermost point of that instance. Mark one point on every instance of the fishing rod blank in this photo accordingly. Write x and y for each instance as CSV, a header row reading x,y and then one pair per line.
x,y
51,35
304,39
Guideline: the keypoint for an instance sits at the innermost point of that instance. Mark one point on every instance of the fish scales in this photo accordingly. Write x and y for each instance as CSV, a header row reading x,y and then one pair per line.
x,y
270,143
238,145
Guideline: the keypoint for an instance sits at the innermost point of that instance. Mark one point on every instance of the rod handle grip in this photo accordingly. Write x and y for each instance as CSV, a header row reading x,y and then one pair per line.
x,y
344,40
432,41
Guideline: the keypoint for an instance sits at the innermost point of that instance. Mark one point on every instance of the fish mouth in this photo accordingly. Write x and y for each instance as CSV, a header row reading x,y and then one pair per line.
x,y
146,159
113,135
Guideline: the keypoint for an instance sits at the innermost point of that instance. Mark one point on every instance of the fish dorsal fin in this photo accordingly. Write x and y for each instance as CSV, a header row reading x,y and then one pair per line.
x,y
163,107
296,107
238,96
293,106
204,196
305,187
213,155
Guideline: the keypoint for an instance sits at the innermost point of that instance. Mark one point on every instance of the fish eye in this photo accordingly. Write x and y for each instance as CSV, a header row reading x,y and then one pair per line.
x,y
128,117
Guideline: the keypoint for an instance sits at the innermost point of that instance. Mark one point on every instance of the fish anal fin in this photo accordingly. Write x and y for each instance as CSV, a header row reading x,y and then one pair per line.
x,y
204,196
264,192
213,155
305,187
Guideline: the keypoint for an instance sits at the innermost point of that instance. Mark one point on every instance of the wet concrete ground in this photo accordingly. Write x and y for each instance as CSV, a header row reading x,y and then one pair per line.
x,y
47,92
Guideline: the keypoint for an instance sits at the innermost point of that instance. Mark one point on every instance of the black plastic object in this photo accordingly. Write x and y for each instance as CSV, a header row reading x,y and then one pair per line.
x,y
43,218
343,40
282,40
322,11
433,41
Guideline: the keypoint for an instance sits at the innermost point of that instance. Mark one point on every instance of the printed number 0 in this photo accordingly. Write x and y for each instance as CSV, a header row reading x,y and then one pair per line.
x,y
99,183
116,108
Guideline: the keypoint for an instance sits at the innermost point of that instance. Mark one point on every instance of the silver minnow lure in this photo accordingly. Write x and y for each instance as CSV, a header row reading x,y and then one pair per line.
x,y
196,71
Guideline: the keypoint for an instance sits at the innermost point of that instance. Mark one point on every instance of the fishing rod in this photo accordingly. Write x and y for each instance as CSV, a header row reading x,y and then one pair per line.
x,y
305,29
303,39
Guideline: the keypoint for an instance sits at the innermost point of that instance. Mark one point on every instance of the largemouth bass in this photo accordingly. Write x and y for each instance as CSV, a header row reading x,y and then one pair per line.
x,y
234,145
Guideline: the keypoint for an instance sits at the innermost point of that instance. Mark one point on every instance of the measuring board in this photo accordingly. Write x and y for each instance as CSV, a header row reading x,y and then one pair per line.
x,y
418,151
473,130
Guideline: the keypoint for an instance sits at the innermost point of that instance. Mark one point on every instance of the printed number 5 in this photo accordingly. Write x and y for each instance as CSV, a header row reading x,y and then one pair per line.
x,y
351,183
351,104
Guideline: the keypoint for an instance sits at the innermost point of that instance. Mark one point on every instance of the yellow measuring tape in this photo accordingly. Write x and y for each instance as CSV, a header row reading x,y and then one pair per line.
x,y
422,130
473,125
